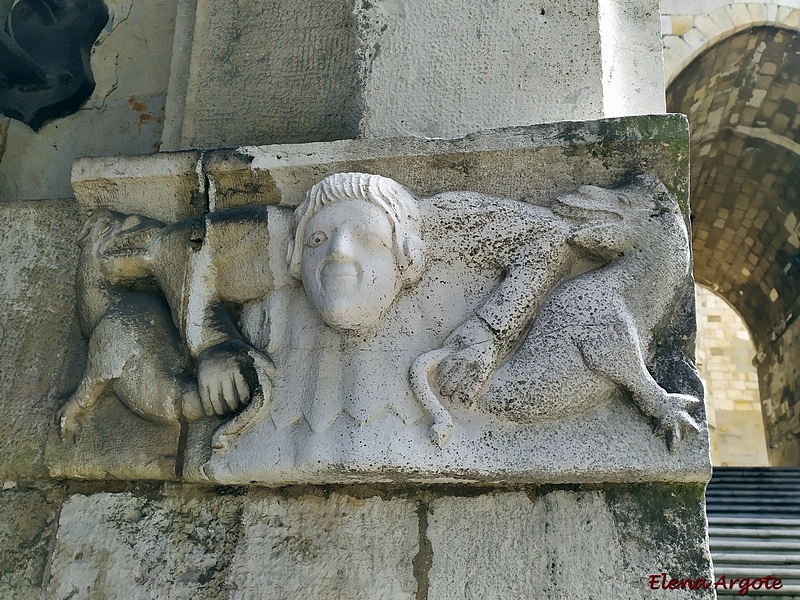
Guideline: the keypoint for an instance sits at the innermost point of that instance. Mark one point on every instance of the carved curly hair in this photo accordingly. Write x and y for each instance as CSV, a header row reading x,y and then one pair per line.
x,y
399,205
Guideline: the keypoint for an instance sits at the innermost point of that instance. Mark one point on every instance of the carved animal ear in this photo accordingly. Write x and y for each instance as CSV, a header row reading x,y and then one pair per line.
x,y
102,213
605,240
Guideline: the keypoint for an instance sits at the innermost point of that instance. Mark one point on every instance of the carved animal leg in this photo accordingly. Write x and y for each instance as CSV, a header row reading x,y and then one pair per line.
x,y
615,352
89,390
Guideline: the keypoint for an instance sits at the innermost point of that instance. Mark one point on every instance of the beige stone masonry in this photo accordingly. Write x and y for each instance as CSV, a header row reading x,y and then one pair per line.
x,y
686,33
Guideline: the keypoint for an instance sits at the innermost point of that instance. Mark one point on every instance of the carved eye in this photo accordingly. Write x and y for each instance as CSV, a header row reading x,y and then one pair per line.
x,y
316,239
105,227
624,200
370,239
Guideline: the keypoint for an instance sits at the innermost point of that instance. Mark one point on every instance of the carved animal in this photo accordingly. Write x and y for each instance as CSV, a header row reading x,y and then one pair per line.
x,y
593,334
134,347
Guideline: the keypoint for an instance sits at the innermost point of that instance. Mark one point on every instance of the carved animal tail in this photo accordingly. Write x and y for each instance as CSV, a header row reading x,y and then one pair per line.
x,y
420,375
253,413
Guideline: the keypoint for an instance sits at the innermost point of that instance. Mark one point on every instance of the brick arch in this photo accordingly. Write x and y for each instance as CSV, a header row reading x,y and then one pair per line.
x,y
709,29
742,97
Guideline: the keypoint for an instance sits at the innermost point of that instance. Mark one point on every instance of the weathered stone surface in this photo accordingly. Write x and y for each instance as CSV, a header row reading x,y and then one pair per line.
x,y
167,187
326,70
188,543
565,544
26,530
125,546
38,327
113,443
326,547
124,115
780,390
459,313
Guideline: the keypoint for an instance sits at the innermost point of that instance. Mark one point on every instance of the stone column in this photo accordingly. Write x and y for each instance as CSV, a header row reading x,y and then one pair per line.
x,y
280,72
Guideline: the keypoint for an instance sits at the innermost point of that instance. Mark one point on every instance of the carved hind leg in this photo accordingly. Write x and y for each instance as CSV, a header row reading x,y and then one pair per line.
x,y
89,390
615,352
545,378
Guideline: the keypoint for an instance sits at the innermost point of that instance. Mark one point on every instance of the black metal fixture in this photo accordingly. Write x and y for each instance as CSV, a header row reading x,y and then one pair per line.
x,y
44,57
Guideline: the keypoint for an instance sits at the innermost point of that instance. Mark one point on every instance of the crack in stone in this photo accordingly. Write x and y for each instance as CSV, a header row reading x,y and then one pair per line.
x,y
423,560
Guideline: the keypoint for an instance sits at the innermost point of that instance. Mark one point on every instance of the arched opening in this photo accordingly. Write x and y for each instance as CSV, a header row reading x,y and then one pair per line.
x,y
725,355
742,98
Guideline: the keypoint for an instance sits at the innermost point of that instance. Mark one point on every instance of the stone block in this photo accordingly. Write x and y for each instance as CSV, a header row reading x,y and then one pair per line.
x,y
792,20
631,58
26,530
678,45
783,12
481,49
708,26
602,543
38,328
695,38
672,64
723,19
758,13
326,547
739,15
772,13
322,70
171,546
167,187
681,24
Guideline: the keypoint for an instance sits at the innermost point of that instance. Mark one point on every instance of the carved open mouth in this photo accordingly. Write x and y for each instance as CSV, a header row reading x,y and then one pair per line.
x,y
129,243
338,276
581,208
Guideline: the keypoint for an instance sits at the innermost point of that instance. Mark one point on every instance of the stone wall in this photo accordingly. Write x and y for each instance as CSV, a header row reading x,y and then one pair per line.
x,y
725,360
778,376
732,67
181,542
173,74
689,27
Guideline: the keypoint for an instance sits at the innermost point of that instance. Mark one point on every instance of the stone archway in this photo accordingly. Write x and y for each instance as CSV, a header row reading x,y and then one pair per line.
x,y
742,99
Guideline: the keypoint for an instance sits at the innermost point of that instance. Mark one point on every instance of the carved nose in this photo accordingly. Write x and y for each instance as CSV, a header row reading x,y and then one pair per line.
x,y
341,244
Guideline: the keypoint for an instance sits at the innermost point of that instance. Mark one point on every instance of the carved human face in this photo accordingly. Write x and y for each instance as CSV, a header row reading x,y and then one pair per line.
x,y
348,264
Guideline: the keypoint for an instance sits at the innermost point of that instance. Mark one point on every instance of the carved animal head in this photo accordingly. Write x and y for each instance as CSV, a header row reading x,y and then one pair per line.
x,y
118,244
613,221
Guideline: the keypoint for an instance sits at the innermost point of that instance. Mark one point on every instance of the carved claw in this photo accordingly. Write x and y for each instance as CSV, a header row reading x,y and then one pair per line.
x,y
677,421
68,421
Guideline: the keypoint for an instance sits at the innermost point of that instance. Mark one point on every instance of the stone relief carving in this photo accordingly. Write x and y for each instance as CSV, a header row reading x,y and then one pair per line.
x,y
366,303
134,346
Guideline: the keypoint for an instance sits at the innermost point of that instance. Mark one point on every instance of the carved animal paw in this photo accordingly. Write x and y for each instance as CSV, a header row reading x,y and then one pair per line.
x,y
676,421
68,420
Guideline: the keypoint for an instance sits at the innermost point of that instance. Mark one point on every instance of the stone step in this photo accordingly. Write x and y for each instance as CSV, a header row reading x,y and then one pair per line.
x,y
748,492
753,532
755,558
754,521
744,544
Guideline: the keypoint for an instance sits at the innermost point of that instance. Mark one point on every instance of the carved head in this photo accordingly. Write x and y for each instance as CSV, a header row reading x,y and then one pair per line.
x,y
118,244
356,245
615,220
